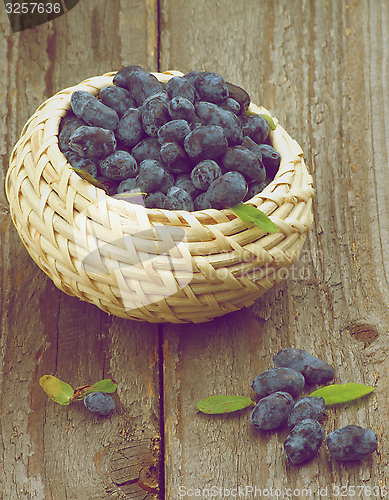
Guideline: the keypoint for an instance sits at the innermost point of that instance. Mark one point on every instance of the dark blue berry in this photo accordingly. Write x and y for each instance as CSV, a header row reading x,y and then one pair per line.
x,y
206,142
351,443
167,183
181,108
303,441
141,84
257,128
270,158
191,76
278,379
244,161
93,111
184,181
272,411
227,190
239,95
309,407
66,131
211,114
78,99
155,200
127,185
117,98
204,173
201,202
211,86
248,143
70,116
99,402
173,131
315,370
147,149
121,77
178,199
180,87
118,166
130,130
92,141
230,105
155,113
151,176
175,158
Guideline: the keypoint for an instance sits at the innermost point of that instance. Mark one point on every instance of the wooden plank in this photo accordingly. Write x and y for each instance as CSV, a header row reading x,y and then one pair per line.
x,y
48,451
320,68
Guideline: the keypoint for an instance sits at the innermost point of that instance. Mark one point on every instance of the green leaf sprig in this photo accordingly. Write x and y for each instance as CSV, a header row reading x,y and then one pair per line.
x,y
253,215
63,394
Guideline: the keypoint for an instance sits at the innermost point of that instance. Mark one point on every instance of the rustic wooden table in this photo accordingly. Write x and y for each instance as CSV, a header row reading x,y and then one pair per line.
x,y
321,67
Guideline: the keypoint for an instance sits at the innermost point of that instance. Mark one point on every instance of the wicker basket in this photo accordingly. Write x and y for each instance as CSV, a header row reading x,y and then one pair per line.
x,y
150,264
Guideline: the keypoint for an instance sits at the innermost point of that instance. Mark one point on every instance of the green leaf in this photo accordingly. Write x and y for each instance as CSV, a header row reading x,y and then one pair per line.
x,y
341,393
58,391
269,120
250,214
131,197
223,404
106,385
87,177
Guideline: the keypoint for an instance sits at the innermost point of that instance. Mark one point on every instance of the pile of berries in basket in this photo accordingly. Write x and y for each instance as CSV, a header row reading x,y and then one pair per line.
x,y
188,144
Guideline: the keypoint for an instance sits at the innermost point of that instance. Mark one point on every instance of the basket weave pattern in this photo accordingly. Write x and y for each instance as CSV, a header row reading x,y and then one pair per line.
x,y
150,264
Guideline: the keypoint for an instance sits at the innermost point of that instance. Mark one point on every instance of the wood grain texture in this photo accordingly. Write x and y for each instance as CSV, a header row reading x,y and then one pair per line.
x,y
321,68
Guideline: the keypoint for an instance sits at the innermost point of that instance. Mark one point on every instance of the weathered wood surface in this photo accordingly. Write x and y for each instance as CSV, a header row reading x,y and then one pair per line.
x,y
321,68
